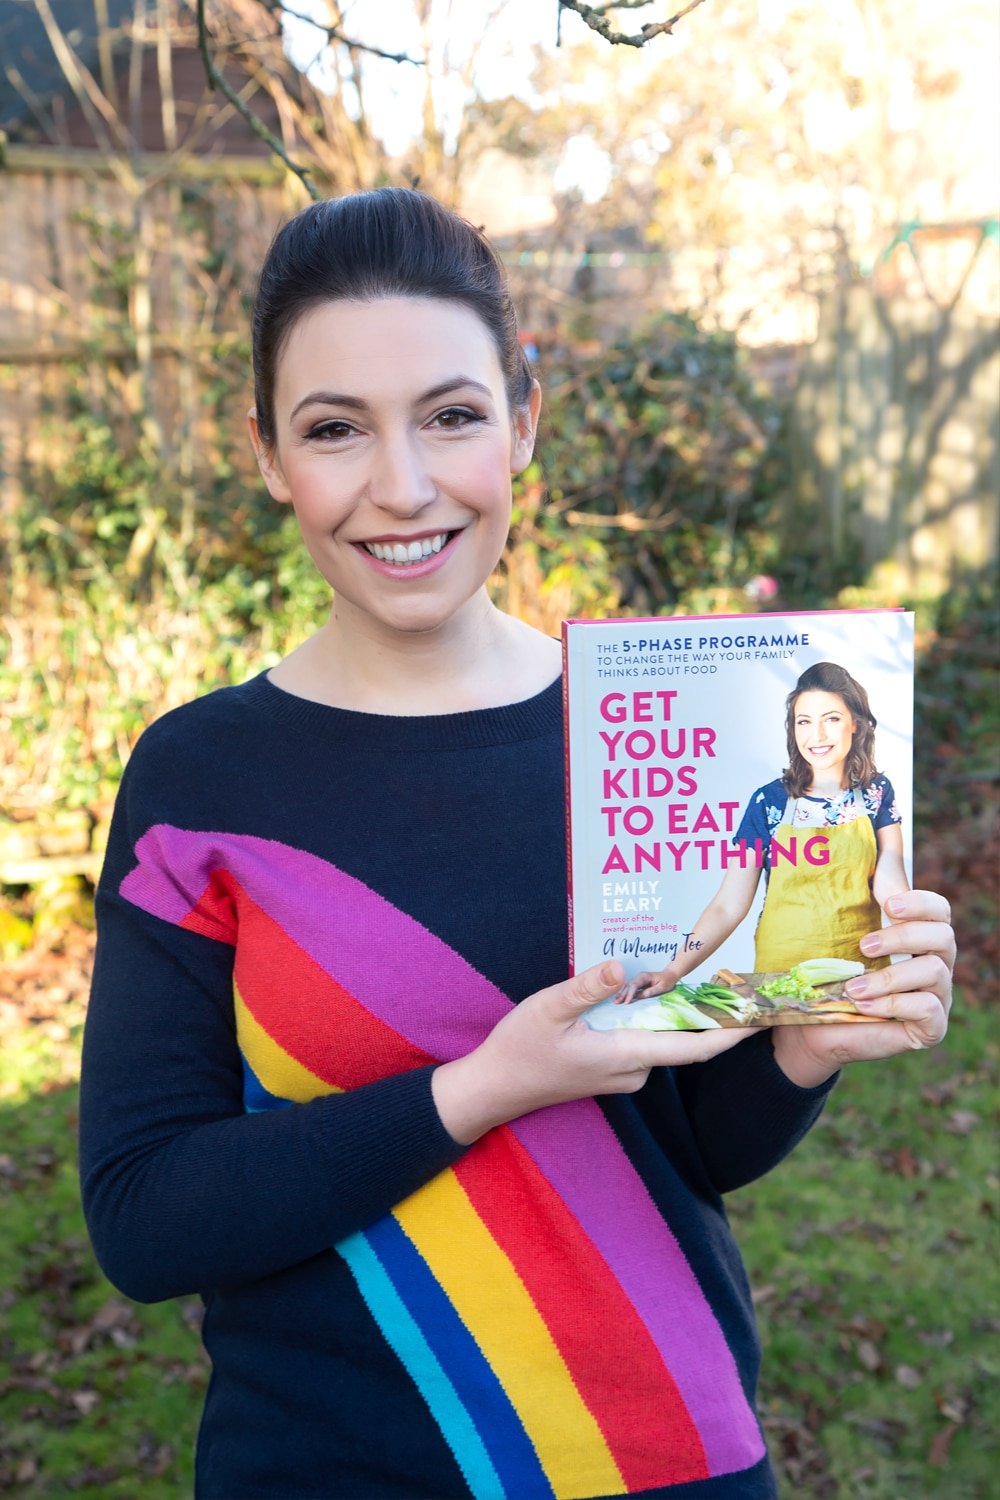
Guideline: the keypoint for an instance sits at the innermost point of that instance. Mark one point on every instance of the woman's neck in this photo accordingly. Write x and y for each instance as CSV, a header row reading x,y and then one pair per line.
x,y
827,786
481,658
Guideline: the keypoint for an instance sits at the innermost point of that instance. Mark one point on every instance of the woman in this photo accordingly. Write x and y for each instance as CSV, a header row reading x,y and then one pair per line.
x,y
825,910
335,1079
812,908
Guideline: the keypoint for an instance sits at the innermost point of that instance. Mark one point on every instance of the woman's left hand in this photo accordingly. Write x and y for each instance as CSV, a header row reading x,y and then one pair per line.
x,y
913,995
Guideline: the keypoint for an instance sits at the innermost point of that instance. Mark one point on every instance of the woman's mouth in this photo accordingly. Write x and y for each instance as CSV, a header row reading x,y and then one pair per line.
x,y
405,554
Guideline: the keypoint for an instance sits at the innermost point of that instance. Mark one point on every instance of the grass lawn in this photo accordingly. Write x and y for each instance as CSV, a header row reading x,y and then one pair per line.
x,y
872,1251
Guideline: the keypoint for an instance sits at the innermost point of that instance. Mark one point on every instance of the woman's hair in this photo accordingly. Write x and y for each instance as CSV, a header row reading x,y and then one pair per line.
x,y
827,677
391,242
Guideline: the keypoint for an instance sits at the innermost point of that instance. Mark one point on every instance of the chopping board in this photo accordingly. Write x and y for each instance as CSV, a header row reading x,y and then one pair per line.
x,y
831,1005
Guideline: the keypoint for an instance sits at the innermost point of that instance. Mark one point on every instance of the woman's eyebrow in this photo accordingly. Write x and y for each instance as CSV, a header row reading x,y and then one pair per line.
x,y
329,398
355,403
459,383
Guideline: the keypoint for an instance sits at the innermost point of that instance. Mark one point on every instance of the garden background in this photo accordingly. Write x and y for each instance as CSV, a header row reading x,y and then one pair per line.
x,y
757,262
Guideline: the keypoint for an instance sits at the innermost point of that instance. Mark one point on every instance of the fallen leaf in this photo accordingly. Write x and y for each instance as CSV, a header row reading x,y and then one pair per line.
x,y
868,1356
904,1162
938,1452
85,1401
962,1122
907,1376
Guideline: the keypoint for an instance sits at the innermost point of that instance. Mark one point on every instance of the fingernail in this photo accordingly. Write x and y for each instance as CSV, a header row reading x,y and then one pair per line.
x,y
871,944
895,906
610,974
857,988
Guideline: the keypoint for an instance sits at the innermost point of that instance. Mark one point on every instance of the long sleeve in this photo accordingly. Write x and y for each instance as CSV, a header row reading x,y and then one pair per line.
x,y
183,1189
745,1114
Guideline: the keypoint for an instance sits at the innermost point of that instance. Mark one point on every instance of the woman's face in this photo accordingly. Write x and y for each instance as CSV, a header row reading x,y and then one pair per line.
x,y
395,446
824,730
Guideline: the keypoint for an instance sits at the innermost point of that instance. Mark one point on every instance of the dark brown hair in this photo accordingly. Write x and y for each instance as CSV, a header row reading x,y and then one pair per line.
x,y
827,677
391,242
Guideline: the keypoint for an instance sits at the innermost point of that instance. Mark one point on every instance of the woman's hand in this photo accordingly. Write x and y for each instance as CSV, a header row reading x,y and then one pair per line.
x,y
544,1053
640,986
914,995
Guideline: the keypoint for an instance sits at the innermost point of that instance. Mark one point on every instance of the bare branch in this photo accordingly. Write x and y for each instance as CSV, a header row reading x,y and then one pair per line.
x,y
216,81
334,34
96,108
596,17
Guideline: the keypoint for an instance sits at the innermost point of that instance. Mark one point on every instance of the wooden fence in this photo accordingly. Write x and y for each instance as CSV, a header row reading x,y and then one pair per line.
x,y
896,425
124,291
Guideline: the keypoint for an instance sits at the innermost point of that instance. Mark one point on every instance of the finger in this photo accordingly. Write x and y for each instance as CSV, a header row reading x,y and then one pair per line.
x,y
630,989
676,1048
570,998
918,906
927,973
921,1015
911,937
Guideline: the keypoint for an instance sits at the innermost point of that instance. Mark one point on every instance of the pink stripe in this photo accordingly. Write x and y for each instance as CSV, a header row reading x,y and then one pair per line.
x,y
427,993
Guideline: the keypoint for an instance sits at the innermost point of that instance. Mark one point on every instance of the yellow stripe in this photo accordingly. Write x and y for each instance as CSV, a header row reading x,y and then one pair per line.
x,y
495,1306
277,1070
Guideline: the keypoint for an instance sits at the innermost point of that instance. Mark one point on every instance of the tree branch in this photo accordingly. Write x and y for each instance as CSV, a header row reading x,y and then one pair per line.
x,y
596,17
334,34
216,81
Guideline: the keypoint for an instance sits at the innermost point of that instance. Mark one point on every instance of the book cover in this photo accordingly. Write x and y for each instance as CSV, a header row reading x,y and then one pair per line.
x,y
739,800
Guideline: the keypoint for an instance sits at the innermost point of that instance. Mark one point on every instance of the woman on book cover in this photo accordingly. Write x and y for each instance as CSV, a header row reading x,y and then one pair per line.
x,y
822,906
335,1079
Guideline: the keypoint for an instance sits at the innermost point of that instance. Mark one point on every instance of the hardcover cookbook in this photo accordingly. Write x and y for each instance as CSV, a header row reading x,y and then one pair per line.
x,y
739,800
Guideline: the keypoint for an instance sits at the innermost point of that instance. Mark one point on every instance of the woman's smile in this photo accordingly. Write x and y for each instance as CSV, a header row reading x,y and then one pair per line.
x,y
410,555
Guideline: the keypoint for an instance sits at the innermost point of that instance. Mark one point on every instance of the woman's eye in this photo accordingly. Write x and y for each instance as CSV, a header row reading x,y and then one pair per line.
x,y
455,417
330,431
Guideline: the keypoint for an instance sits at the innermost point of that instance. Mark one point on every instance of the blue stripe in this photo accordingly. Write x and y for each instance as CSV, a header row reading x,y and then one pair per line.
x,y
510,1449
409,1343
256,1097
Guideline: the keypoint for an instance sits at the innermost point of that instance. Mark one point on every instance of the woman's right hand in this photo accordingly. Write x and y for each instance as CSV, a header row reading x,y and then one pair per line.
x,y
647,983
543,1052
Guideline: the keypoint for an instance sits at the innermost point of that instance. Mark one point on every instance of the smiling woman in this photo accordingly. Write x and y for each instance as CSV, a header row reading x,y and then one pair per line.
x,y
335,1079
392,437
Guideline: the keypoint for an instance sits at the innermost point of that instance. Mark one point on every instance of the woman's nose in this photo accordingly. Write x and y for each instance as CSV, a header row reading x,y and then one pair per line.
x,y
400,481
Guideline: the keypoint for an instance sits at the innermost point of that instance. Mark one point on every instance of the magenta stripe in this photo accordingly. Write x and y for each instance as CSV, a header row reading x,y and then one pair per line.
x,y
396,968
428,994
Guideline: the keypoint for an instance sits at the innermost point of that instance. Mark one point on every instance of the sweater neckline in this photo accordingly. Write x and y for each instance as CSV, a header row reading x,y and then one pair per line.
x,y
527,720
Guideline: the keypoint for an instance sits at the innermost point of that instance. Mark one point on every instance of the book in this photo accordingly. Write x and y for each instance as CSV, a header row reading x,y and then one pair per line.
x,y
739,805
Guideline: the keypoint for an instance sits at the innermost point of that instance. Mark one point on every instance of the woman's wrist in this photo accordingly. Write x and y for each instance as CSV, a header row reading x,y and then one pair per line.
x,y
797,1064
467,1099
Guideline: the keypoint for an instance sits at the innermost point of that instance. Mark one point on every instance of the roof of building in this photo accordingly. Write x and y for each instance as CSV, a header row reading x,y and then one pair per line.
x,y
30,74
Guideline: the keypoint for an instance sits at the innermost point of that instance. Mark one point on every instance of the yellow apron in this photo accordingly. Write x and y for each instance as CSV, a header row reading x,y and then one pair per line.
x,y
820,911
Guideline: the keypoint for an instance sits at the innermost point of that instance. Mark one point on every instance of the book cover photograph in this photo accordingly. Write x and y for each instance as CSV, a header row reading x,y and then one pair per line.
x,y
739,804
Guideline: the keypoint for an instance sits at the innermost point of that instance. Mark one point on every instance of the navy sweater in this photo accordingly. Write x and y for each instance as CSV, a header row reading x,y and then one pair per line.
x,y
303,910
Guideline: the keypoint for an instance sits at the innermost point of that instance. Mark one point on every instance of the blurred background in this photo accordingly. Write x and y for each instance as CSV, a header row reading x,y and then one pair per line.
x,y
756,258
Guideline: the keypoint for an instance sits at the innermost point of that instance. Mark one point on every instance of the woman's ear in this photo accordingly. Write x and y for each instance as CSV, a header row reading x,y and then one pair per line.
x,y
525,427
267,462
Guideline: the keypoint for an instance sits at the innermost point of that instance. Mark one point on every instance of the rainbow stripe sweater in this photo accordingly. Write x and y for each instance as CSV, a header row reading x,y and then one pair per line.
x,y
302,912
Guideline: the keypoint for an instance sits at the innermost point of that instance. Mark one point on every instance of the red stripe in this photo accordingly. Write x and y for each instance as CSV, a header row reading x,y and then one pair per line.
x,y
606,1347
298,1004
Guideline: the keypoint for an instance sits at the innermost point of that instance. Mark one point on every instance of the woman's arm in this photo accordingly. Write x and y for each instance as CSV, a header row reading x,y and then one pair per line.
x,y
890,876
183,1189
721,917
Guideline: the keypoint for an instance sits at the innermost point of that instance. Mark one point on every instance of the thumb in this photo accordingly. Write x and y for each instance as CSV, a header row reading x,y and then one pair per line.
x,y
568,1000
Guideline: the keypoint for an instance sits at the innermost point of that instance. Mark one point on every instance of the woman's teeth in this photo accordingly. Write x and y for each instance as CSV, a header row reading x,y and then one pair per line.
x,y
405,553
